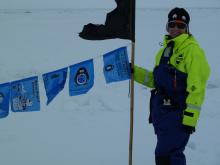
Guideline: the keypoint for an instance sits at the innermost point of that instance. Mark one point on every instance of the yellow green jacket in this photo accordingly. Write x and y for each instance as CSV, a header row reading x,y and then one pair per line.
x,y
187,57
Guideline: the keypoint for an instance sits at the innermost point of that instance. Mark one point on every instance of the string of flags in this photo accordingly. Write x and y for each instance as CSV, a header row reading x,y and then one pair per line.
x,y
24,96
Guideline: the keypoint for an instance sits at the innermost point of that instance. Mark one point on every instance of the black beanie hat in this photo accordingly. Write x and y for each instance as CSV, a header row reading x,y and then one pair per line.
x,y
179,14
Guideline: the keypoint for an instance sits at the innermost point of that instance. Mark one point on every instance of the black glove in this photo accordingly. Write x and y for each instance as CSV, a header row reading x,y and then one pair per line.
x,y
188,129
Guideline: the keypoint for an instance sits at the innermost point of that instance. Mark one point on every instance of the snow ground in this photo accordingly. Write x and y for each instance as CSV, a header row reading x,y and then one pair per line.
x,y
94,128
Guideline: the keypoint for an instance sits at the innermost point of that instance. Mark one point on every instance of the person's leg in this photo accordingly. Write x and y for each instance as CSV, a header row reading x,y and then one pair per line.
x,y
170,148
162,160
177,156
171,138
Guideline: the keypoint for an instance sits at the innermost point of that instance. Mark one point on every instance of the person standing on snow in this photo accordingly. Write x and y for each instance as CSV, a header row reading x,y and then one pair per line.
x,y
179,82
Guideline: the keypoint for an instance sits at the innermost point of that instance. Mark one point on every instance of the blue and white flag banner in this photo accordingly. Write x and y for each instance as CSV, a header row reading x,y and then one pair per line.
x,y
116,65
54,82
25,95
81,77
4,99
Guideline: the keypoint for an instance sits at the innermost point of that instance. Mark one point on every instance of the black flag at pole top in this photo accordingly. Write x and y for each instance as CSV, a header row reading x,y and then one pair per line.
x,y
119,23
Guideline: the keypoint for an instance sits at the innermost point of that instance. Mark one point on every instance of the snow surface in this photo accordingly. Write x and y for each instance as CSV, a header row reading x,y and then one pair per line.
x,y
94,128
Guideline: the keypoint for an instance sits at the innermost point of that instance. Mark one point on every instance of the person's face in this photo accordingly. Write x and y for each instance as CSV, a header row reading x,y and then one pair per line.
x,y
176,28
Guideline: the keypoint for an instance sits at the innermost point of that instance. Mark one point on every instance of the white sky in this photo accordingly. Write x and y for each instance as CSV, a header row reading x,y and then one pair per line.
x,y
24,4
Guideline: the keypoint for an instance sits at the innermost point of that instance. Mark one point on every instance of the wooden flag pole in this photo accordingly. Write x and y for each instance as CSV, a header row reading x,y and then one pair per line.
x,y
132,37
131,104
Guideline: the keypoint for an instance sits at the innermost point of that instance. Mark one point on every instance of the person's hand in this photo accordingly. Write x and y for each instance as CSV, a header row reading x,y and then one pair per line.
x,y
190,119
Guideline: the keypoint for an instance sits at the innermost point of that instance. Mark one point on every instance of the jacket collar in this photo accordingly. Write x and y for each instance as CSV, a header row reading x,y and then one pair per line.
x,y
178,40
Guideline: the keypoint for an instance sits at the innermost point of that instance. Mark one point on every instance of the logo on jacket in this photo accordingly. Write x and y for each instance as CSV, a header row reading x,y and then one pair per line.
x,y
179,59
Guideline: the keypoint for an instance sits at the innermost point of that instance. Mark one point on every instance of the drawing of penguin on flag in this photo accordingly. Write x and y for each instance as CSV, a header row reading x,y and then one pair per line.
x,y
81,77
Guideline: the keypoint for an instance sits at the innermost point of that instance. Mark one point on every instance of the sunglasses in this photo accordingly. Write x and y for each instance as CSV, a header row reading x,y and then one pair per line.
x,y
179,25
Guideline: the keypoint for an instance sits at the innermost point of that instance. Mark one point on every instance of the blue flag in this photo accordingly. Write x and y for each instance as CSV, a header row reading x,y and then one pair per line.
x,y
81,77
116,65
54,83
25,95
4,99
